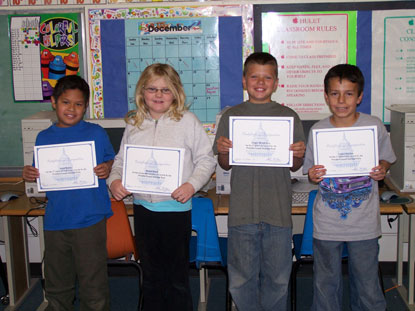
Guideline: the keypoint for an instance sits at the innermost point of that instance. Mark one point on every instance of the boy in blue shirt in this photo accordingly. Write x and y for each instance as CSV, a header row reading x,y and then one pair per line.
x,y
259,221
75,220
347,214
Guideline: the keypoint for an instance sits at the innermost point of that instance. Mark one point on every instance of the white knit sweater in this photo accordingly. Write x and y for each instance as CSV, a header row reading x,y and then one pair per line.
x,y
188,133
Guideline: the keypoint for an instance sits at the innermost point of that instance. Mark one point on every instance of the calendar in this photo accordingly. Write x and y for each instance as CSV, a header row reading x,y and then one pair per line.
x,y
186,37
190,46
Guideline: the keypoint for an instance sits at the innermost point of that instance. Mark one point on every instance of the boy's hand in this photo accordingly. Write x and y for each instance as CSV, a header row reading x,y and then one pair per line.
x,y
103,170
118,191
316,173
298,149
30,173
223,144
379,172
183,193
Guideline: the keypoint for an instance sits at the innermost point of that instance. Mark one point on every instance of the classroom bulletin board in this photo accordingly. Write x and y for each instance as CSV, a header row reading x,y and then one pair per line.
x,y
12,110
379,37
205,44
308,39
44,48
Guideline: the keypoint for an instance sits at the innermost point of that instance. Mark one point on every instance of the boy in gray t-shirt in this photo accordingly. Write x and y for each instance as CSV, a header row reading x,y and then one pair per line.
x,y
259,222
346,209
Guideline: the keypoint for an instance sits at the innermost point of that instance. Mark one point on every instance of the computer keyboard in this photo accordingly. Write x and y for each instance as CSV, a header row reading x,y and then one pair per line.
x,y
299,198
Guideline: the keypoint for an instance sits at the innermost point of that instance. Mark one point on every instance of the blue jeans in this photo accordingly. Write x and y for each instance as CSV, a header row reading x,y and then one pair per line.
x,y
365,290
259,266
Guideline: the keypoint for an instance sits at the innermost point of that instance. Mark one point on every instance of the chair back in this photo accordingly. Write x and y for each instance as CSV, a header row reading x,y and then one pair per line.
x,y
120,239
204,223
307,241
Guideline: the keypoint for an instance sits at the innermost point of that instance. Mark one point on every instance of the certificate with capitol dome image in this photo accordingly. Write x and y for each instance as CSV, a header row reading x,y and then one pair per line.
x,y
152,170
346,151
261,141
66,166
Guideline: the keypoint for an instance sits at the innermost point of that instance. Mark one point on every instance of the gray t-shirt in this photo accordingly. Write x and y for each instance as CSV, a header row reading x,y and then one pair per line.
x,y
347,209
259,194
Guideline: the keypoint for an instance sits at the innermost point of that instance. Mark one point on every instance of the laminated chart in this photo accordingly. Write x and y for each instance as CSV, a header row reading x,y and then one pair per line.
x,y
44,48
393,60
25,50
306,46
191,46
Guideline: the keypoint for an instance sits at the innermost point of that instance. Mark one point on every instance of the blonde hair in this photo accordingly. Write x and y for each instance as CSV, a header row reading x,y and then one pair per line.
x,y
172,78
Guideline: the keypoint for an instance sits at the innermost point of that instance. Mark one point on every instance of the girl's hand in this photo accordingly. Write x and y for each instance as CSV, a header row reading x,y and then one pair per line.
x,y
183,193
118,191
316,173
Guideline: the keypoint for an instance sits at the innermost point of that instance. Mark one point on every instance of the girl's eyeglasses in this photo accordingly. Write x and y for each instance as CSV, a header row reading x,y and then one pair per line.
x,y
153,90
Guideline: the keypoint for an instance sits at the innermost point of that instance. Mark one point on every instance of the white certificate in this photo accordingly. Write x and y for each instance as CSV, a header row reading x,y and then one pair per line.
x,y
261,141
152,170
66,166
346,151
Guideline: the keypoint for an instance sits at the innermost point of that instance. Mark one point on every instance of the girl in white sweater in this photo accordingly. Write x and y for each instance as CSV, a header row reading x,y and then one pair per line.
x,y
163,223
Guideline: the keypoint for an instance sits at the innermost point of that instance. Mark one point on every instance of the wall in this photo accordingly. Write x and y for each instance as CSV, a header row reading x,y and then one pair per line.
x,y
11,112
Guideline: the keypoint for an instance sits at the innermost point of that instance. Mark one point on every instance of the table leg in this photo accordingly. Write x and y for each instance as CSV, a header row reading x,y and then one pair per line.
x,y
203,284
399,255
44,303
411,259
17,258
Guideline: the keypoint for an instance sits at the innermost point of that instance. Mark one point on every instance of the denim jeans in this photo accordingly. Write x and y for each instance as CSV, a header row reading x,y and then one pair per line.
x,y
365,290
259,266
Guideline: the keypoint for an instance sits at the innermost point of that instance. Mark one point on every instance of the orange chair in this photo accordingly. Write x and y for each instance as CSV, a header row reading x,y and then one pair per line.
x,y
121,243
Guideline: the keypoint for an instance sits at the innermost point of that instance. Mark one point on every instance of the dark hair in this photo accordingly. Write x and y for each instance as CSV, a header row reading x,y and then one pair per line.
x,y
261,58
345,71
71,82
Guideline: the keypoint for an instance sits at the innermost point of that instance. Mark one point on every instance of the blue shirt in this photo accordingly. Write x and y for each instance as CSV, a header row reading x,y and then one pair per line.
x,y
80,208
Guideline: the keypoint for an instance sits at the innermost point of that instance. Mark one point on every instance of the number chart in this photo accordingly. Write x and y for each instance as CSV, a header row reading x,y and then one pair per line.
x,y
25,49
190,46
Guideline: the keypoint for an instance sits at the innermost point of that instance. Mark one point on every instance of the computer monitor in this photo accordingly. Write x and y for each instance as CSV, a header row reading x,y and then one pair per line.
x,y
114,128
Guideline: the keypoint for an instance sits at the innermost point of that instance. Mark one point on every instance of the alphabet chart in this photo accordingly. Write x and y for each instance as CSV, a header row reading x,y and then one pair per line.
x,y
191,46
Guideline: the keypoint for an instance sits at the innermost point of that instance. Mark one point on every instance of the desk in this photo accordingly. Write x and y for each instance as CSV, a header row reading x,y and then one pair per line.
x,y
15,236
221,205
407,294
16,239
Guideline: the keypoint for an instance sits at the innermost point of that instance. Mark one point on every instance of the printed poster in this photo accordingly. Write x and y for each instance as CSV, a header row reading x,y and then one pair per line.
x,y
393,60
44,48
306,45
